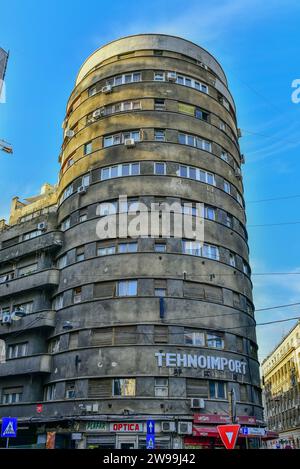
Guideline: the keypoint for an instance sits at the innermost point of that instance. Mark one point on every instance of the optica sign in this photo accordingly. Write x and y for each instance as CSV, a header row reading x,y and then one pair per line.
x,y
125,427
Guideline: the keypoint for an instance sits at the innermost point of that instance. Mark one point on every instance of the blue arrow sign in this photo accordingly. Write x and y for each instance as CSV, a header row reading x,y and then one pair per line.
x,y
150,441
150,427
9,427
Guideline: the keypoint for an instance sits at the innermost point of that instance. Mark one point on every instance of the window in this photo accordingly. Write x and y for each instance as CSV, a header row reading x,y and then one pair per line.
x,y
187,139
160,247
160,168
194,338
124,387
232,259
124,79
198,174
82,217
32,234
7,276
106,250
127,247
199,114
107,208
54,345
159,135
244,393
80,254
209,213
226,187
222,125
217,390
161,387
229,221
224,156
245,268
27,270
187,81
239,199
210,251
161,292
214,341
65,224
126,169
117,139
120,107
159,105
104,289
77,295
12,395
62,261
59,301
17,350
92,91
127,288
50,392
159,76
98,388
26,307
193,248
87,148
70,390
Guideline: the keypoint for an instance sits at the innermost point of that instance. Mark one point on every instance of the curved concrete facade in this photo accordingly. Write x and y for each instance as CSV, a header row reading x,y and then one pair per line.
x,y
151,326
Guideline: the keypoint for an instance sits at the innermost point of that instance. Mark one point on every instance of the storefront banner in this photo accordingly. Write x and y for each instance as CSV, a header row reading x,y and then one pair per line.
x,y
126,427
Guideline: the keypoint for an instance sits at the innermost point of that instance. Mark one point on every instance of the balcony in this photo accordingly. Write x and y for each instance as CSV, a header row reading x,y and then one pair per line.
x,y
24,365
52,240
39,279
31,321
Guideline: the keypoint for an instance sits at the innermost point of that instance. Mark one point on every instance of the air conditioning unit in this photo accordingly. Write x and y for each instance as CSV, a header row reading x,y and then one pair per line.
x,y
243,159
82,190
106,89
171,76
238,173
185,428
42,226
129,142
88,408
168,427
197,403
95,407
98,113
69,133
6,318
201,64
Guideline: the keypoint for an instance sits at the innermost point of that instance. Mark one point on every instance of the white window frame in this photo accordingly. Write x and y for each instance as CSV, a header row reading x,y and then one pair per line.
x,y
120,168
201,175
161,387
17,350
156,163
88,148
227,187
127,288
194,141
31,234
159,76
119,138
197,338
199,86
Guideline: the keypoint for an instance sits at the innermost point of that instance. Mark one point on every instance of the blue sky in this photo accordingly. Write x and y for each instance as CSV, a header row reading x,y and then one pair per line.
x,y
257,44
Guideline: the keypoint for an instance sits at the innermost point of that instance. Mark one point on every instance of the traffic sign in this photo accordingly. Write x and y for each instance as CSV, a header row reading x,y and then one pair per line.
x,y
229,434
150,427
245,430
150,441
9,427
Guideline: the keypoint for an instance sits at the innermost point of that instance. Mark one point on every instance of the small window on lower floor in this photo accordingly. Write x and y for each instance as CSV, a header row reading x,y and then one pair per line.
x,y
160,247
12,395
50,392
217,390
77,295
124,387
70,390
161,387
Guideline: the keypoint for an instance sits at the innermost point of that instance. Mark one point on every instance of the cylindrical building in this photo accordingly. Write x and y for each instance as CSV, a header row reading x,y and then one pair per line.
x,y
151,327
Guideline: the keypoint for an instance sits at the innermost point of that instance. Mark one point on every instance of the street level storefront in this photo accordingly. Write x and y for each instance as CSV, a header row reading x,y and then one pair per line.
x,y
285,440
206,436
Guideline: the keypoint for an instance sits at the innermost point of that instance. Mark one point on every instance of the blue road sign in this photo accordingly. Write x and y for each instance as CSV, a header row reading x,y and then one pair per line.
x,y
245,430
150,441
9,427
150,427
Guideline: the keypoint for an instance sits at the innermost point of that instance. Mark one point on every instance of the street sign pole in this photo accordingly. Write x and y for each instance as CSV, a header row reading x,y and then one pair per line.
x,y
7,442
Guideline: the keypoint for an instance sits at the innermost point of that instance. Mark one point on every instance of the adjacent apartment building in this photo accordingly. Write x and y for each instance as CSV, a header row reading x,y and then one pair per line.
x,y
281,390
102,334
